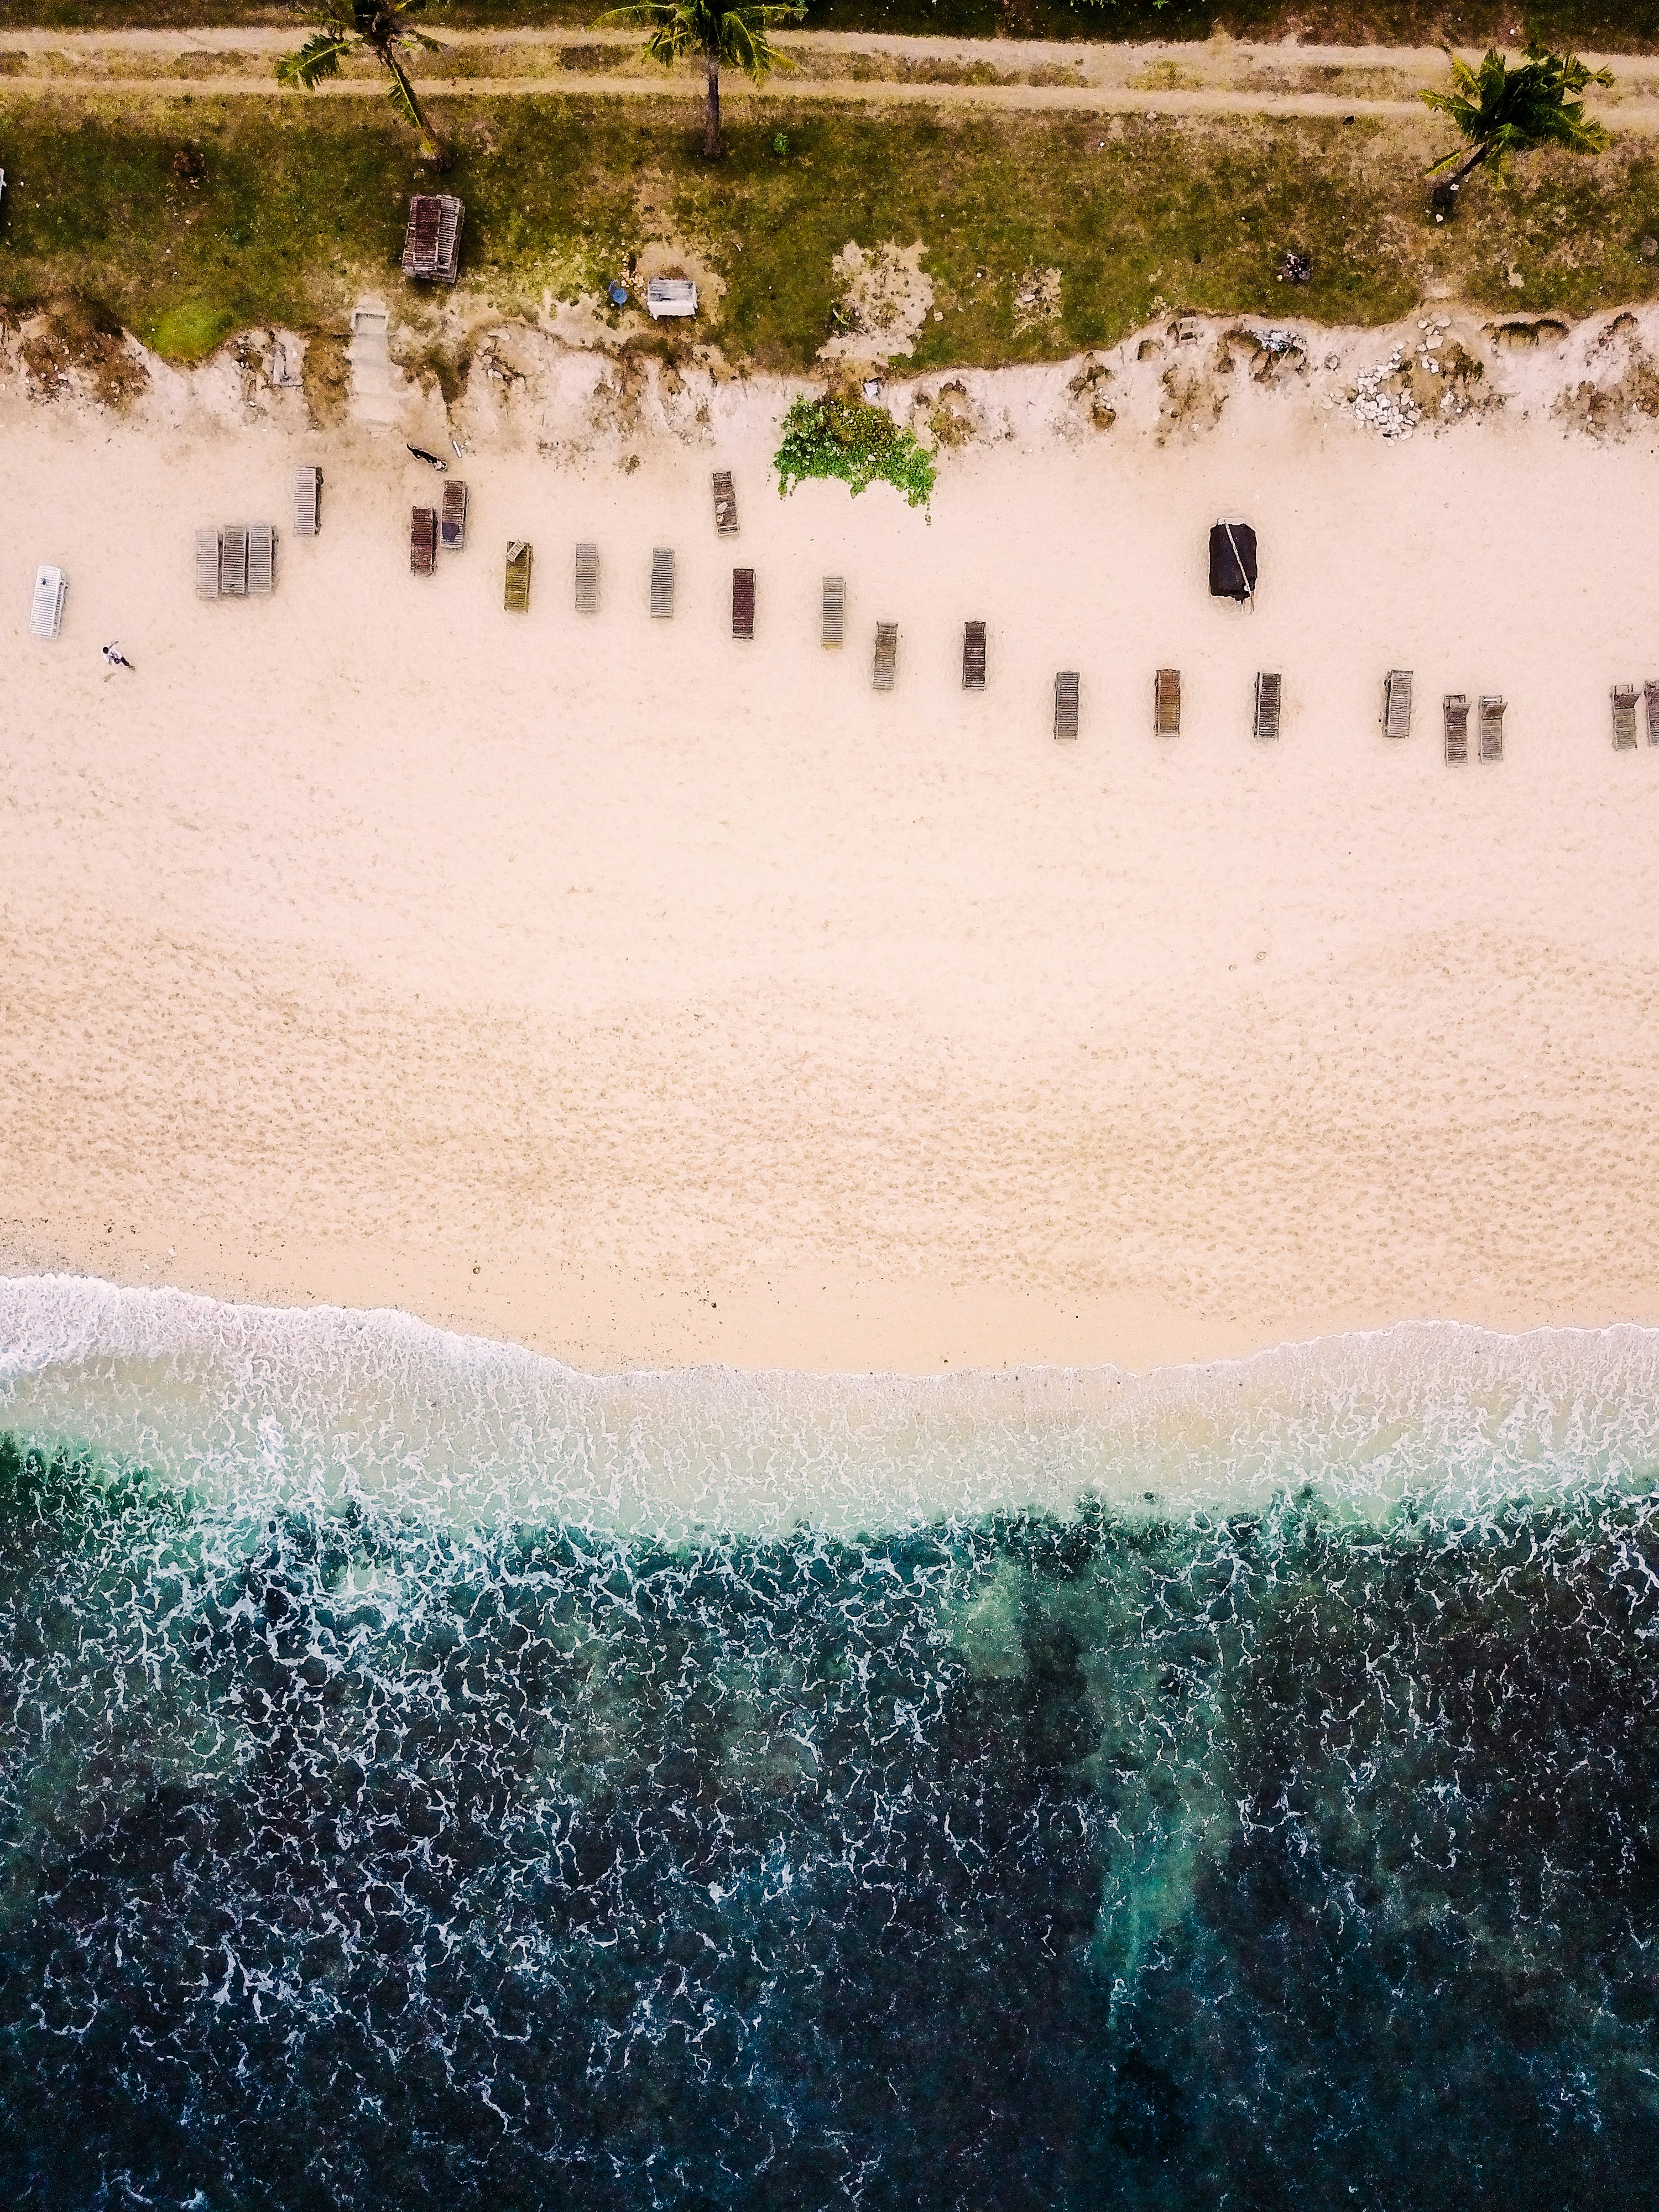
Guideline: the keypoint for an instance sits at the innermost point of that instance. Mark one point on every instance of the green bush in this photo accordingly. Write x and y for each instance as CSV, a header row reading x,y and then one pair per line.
x,y
861,444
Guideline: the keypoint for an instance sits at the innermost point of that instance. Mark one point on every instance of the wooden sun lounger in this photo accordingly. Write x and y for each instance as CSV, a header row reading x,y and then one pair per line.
x,y
517,595
207,564
1166,704
885,664
662,584
1457,726
423,540
308,501
232,562
1397,703
452,527
1492,727
261,559
1650,694
587,578
725,504
973,656
1066,703
743,602
1266,707
834,628
46,605
1625,696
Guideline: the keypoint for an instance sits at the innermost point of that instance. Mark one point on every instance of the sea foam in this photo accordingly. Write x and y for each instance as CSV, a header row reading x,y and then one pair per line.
x,y
241,1403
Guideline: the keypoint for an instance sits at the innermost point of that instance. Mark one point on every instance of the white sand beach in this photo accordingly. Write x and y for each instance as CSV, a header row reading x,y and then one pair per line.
x,y
651,998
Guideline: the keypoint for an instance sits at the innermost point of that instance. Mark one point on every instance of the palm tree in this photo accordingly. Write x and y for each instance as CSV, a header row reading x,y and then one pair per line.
x,y
377,27
1502,111
739,35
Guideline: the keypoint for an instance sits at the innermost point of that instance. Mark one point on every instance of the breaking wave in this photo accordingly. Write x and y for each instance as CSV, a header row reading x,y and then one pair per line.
x,y
430,1778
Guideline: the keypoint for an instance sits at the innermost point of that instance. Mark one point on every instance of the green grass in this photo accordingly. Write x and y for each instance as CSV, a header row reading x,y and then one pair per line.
x,y
190,330
303,203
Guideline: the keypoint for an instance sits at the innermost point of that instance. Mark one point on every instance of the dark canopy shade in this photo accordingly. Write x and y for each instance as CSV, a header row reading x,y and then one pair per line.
x,y
1232,561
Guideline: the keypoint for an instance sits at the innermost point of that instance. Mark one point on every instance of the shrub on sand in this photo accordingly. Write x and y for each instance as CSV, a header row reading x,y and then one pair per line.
x,y
858,443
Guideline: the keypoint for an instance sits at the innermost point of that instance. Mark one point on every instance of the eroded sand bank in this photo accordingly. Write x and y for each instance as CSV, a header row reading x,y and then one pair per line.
x,y
648,997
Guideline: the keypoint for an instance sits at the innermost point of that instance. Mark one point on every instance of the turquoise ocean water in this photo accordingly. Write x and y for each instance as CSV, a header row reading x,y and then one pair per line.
x,y
431,1777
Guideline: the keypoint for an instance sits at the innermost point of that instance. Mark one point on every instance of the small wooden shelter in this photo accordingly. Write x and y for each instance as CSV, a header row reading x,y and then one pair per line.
x,y
432,241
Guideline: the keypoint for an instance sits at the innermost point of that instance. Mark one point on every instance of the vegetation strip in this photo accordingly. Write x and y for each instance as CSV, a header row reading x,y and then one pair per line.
x,y
299,203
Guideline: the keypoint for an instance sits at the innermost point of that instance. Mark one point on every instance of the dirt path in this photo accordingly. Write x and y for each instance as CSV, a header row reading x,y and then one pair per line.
x,y
1218,78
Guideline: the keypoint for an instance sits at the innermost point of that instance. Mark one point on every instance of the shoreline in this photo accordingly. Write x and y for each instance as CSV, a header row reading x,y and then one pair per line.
x,y
252,1410
649,999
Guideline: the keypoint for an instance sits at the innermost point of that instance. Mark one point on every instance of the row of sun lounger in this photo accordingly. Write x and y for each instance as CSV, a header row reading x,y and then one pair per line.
x,y
237,561
430,528
1454,707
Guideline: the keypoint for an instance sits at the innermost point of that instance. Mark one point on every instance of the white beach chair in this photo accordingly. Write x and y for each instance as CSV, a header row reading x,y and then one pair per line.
x,y
261,559
587,577
670,295
46,607
233,560
662,583
207,563
308,501
1397,703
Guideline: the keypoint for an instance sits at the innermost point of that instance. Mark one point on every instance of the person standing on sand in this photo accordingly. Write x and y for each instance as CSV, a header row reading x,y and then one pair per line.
x,y
117,659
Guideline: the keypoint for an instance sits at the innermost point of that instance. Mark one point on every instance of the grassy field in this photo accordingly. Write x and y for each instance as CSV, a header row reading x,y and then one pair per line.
x,y
299,205
1612,26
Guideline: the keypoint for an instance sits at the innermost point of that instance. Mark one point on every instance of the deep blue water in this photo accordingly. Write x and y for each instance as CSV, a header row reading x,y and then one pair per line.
x,y
1139,1859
